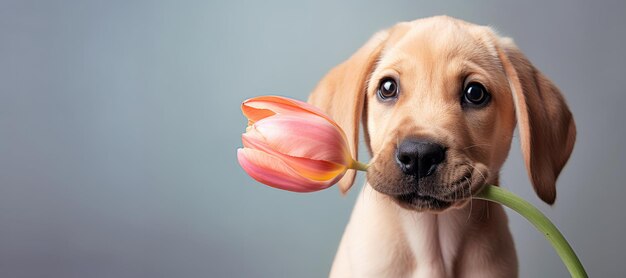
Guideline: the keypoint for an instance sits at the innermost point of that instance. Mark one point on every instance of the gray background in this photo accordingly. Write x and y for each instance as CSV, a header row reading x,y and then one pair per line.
x,y
119,122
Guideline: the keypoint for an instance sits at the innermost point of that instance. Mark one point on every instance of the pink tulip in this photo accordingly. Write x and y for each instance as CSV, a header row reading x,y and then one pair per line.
x,y
292,145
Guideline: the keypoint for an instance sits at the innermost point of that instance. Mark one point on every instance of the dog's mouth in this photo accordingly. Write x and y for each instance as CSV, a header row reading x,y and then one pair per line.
x,y
434,194
437,200
450,186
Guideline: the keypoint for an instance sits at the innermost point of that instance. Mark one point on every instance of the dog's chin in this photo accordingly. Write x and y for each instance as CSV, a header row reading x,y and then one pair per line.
x,y
422,203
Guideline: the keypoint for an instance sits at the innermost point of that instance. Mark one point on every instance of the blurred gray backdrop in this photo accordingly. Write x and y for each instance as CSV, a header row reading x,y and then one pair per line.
x,y
119,122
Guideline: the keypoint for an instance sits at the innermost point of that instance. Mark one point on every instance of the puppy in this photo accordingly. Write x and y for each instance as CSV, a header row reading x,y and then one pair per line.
x,y
439,99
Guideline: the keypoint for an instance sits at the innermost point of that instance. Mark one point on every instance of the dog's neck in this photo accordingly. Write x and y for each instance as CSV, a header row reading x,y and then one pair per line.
x,y
436,239
421,244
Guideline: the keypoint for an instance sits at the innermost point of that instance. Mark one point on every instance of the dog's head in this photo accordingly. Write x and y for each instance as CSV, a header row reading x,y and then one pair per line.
x,y
439,99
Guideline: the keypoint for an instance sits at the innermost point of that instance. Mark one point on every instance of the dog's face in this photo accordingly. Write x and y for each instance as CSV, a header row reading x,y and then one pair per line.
x,y
438,100
439,116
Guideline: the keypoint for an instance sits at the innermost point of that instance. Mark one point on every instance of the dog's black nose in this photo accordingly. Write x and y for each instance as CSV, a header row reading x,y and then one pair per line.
x,y
419,158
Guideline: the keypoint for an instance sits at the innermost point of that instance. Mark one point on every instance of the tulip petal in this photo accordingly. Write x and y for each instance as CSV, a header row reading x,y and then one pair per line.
x,y
318,170
272,171
303,136
258,108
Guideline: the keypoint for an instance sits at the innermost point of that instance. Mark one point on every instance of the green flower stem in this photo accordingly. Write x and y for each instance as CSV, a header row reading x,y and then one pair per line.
x,y
540,221
358,165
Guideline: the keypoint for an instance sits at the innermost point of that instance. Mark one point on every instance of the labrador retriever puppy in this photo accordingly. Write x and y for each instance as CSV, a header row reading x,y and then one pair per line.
x,y
439,99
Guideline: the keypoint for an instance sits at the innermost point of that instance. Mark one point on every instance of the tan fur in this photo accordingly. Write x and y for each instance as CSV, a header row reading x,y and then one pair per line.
x,y
433,59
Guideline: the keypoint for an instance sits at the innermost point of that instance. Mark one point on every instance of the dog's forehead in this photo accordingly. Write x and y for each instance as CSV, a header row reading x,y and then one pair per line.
x,y
440,39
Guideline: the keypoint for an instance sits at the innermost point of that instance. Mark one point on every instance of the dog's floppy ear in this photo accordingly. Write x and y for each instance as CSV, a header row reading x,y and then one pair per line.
x,y
341,94
546,127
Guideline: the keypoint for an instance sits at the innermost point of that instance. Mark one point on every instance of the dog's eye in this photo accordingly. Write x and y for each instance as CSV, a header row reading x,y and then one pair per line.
x,y
387,89
475,95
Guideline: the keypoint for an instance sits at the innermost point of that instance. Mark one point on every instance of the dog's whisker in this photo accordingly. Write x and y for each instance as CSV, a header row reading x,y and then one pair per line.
x,y
479,172
477,145
455,196
469,215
